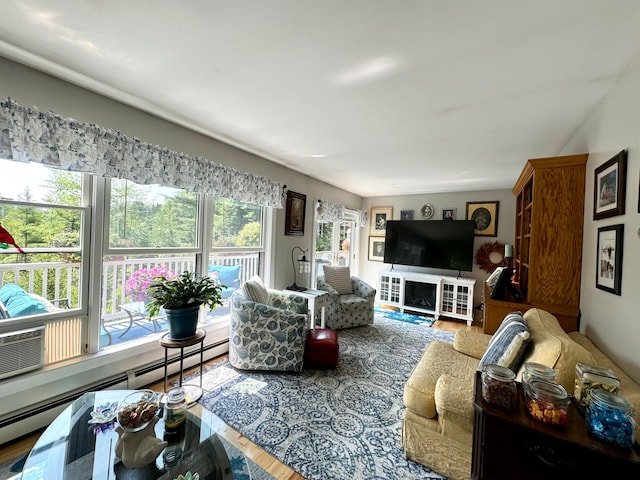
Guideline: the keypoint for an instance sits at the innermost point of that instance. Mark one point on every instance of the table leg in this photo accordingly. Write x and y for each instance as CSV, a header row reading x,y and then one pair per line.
x,y
166,354
129,326
201,360
181,362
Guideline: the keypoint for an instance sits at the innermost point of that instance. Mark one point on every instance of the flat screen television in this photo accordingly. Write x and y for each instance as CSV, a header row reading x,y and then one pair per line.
x,y
445,244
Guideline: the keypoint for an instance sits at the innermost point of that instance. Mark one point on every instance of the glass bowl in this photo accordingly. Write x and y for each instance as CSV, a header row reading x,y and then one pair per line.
x,y
137,410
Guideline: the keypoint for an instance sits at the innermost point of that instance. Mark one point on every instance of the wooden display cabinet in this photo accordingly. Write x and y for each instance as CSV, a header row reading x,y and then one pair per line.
x,y
548,239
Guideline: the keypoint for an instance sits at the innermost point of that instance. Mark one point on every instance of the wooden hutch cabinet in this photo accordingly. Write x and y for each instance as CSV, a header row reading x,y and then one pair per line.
x,y
548,241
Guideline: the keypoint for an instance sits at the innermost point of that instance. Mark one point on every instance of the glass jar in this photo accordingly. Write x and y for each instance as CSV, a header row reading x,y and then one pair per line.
x,y
547,402
175,408
610,418
499,386
537,370
591,376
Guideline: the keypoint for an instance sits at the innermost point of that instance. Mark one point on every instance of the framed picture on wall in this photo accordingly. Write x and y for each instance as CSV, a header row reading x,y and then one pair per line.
x,y
376,249
379,217
294,219
485,216
609,258
449,213
406,214
609,187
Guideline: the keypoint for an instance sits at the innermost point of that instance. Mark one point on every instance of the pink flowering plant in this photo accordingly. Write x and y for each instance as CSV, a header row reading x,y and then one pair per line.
x,y
138,282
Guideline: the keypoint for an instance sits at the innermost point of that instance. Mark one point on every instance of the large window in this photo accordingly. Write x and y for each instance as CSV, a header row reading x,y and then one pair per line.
x,y
63,221
46,214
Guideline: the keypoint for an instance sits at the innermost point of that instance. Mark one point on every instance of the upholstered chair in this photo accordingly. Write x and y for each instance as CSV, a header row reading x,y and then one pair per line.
x,y
349,301
268,332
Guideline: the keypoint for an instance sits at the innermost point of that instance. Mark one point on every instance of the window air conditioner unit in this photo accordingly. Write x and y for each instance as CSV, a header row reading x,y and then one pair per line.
x,y
21,351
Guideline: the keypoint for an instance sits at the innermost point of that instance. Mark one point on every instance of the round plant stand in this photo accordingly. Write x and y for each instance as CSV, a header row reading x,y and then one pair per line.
x,y
194,392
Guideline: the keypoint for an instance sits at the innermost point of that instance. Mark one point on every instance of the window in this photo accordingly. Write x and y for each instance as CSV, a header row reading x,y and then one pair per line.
x,y
45,212
153,230
151,216
145,228
41,209
335,243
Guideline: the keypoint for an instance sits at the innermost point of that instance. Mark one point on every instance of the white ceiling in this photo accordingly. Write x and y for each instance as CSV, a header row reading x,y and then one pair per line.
x,y
379,97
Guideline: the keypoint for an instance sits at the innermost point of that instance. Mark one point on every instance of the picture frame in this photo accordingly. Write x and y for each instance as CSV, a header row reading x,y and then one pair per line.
x,y
376,249
449,213
406,214
295,213
379,218
609,258
485,215
609,187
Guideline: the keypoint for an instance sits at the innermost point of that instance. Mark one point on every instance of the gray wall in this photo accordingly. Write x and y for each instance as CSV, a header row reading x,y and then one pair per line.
x,y
29,87
613,322
506,227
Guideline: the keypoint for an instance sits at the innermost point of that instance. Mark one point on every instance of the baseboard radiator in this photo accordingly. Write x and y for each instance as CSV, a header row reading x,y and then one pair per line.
x,y
36,417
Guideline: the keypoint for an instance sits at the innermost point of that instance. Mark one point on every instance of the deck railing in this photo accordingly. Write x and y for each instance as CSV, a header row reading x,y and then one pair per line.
x,y
55,280
59,280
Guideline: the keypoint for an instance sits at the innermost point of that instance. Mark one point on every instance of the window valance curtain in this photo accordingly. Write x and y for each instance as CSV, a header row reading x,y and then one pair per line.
x,y
27,134
335,212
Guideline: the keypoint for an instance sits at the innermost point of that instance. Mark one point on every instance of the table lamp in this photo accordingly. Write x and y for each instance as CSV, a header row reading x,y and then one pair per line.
x,y
304,266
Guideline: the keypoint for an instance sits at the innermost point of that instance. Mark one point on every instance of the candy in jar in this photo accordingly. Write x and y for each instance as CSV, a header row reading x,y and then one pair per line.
x,y
498,386
593,377
547,402
610,418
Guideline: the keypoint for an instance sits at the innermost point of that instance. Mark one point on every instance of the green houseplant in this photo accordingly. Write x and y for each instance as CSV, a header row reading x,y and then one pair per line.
x,y
181,299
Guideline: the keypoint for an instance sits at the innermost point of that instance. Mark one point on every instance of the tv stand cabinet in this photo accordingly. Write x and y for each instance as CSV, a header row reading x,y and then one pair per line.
x,y
426,293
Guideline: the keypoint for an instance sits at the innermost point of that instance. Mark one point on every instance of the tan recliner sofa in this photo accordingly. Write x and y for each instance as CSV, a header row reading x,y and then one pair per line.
x,y
438,420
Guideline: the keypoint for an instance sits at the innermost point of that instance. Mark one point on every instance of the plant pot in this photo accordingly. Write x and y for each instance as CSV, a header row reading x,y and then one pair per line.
x,y
182,322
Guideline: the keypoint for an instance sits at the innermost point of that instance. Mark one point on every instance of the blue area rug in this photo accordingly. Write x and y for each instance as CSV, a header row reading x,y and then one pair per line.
x,y
404,317
338,424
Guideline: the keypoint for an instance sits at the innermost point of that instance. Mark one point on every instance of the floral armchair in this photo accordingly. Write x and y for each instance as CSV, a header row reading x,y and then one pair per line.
x,y
268,336
349,309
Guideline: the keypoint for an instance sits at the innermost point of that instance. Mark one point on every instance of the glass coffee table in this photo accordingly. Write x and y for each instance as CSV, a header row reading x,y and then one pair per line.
x,y
73,448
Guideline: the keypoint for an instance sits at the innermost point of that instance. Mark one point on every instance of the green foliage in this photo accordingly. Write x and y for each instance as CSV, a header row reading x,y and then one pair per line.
x,y
324,237
137,220
249,236
230,219
185,291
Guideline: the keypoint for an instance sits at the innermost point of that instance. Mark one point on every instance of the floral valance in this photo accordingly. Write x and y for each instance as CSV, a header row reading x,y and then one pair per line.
x,y
27,134
335,212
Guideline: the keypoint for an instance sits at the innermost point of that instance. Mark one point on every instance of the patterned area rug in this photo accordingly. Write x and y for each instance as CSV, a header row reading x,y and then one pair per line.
x,y
339,424
404,317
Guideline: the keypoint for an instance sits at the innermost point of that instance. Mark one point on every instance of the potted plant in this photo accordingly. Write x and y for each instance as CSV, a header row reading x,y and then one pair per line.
x,y
181,299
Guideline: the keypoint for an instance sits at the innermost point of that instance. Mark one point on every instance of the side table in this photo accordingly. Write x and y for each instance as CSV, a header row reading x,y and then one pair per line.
x,y
512,444
194,392
315,300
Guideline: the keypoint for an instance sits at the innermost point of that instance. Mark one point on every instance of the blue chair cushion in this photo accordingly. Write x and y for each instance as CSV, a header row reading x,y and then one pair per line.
x,y
228,275
19,303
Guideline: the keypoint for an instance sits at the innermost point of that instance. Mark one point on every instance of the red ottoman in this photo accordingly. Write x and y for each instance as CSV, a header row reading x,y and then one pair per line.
x,y
321,349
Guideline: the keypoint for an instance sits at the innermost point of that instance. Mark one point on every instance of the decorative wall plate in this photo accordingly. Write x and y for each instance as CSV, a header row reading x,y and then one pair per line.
x,y
427,211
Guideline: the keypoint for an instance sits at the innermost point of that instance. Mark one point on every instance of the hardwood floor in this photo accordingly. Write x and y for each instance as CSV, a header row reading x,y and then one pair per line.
x,y
251,450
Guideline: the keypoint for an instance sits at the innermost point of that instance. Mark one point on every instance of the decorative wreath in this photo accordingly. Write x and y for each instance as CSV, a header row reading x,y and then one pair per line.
x,y
483,256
